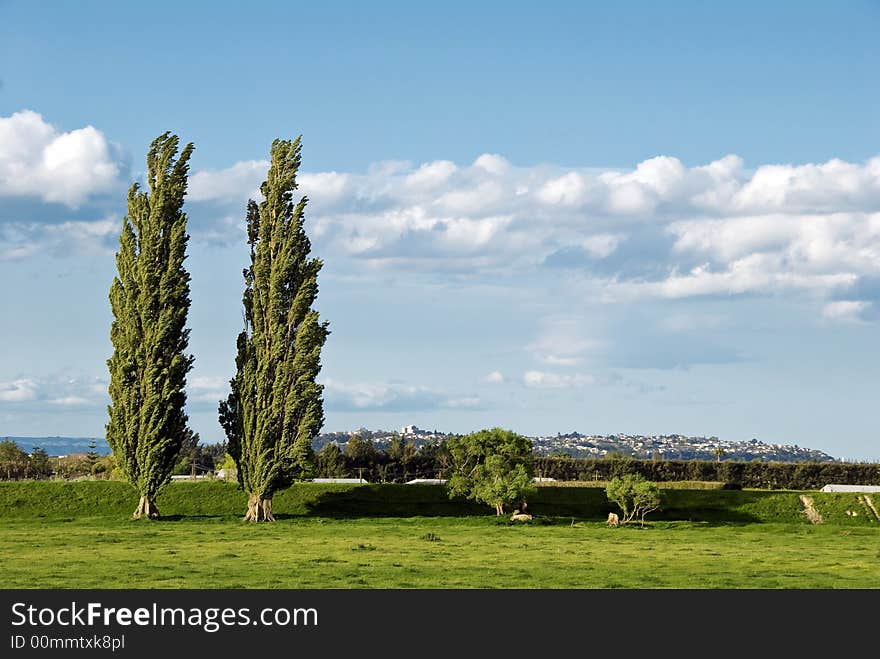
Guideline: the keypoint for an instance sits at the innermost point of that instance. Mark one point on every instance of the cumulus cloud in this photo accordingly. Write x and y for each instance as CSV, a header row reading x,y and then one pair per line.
x,y
19,240
59,390
207,389
38,160
545,380
661,229
391,397
237,183
17,391
495,377
845,310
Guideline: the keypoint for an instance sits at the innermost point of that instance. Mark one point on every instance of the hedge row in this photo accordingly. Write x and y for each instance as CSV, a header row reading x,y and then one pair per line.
x,y
765,475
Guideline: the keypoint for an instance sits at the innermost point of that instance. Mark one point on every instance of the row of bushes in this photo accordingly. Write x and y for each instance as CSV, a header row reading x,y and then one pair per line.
x,y
766,475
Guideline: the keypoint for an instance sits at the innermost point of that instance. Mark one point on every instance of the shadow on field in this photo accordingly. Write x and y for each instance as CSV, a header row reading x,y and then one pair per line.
x,y
377,500
548,502
710,506
218,501
193,518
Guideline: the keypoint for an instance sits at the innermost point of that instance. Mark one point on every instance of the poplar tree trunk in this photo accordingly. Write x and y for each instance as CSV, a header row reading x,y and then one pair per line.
x,y
259,509
146,508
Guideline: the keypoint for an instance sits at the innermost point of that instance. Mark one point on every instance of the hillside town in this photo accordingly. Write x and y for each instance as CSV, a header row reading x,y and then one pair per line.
x,y
577,445
573,444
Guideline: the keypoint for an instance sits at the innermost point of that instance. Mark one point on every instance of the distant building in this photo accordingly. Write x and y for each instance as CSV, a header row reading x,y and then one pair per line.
x,y
227,474
835,487
427,481
410,430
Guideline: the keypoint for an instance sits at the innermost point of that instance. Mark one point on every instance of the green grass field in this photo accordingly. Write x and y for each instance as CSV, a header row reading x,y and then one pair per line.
x,y
80,535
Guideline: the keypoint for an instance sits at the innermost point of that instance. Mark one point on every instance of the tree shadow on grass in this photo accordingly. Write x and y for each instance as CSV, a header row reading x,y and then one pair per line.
x,y
377,500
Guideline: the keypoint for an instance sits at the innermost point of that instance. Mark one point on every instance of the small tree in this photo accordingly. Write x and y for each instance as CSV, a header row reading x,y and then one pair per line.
x,y
188,458
228,467
635,496
92,455
39,465
13,461
492,466
329,462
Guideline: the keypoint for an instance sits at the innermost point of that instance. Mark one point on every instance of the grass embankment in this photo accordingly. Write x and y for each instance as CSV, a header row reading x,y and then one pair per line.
x,y
80,535
52,500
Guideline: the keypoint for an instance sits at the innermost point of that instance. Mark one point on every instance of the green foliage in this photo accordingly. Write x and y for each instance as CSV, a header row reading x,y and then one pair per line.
x,y
13,461
492,466
92,456
227,465
362,451
275,408
39,464
635,496
150,300
620,465
765,475
73,466
195,457
329,462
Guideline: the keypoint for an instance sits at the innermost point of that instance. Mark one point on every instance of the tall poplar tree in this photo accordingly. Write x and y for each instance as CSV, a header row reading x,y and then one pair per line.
x,y
275,408
150,301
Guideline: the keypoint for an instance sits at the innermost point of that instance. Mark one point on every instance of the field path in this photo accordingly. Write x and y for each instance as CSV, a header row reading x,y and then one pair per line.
x,y
810,510
870,504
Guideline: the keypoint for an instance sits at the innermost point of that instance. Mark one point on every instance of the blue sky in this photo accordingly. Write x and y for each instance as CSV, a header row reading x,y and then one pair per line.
x,y
650,218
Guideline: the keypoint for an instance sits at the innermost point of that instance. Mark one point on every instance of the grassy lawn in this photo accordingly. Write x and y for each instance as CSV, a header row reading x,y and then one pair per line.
x,y
471,552
80,535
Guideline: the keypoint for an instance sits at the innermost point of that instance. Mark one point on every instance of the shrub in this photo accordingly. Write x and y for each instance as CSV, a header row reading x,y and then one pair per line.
x,y
635,496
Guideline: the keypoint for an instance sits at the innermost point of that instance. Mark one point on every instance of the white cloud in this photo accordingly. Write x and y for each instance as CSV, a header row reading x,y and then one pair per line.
x,y
431,174
236,184
23,240
18,391
660,229
59,390
495,377
207,389
845,310
391,397
544,380
567,190
492,163
38,160
601,245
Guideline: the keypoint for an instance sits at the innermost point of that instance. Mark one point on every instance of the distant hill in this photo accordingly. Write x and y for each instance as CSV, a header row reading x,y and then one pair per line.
x,y
674,447
61,445
577,445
